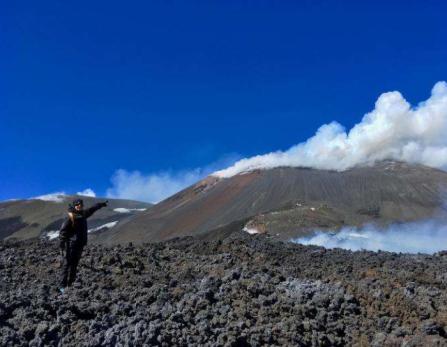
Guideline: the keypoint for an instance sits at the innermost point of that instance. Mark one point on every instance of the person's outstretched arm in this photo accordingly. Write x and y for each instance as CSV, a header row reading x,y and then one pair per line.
x,y
89,211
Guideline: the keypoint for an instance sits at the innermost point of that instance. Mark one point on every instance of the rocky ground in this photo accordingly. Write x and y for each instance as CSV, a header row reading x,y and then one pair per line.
x,y
242,291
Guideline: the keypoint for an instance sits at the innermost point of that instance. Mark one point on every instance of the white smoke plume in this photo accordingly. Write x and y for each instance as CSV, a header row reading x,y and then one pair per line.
x,y
393,130
428,236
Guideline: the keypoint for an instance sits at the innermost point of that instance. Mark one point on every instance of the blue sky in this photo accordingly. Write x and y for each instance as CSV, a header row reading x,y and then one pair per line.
x,y
180,87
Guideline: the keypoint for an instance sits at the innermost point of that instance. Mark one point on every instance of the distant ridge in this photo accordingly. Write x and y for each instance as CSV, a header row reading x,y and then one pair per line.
x,y
39,216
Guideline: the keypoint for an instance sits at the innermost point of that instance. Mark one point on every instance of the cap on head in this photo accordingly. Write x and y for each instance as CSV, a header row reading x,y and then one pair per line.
x,y
78,202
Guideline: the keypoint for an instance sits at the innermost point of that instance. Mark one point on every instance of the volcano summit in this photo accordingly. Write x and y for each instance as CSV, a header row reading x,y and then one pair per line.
x,y
289,202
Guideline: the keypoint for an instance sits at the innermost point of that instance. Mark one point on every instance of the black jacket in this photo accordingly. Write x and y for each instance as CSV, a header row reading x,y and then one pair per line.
x,y
76,229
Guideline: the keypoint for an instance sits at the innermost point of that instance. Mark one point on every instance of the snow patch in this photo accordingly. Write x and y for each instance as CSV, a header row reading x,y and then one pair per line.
x,y
251,231
128,210
107,225
55,197
61,196
53,234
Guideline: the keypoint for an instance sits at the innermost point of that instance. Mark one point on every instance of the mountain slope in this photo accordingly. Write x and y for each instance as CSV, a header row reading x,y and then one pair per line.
x,y
39,217
307,198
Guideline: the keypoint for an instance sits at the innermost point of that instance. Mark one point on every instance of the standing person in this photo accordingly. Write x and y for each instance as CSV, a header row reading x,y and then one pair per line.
x,y
73,238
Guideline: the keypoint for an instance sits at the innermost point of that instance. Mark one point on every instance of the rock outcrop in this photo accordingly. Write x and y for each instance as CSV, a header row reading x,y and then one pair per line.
x,y
241,291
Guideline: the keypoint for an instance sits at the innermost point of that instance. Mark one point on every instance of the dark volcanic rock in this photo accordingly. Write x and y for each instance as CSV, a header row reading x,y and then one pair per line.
x,y
242,291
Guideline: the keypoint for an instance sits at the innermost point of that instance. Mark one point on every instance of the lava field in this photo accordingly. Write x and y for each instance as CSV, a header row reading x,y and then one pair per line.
x,y
241,291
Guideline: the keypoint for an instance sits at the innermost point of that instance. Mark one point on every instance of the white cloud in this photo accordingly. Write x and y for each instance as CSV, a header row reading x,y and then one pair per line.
x,y
155,187
393,130
418,237
87,192
151,188
55,197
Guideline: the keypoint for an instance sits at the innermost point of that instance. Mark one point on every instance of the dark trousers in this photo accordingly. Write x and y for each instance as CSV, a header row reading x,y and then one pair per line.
x,y
73,252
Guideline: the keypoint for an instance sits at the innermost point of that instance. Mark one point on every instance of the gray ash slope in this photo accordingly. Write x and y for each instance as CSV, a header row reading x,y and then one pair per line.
x,y
33,218
292,201
240,291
